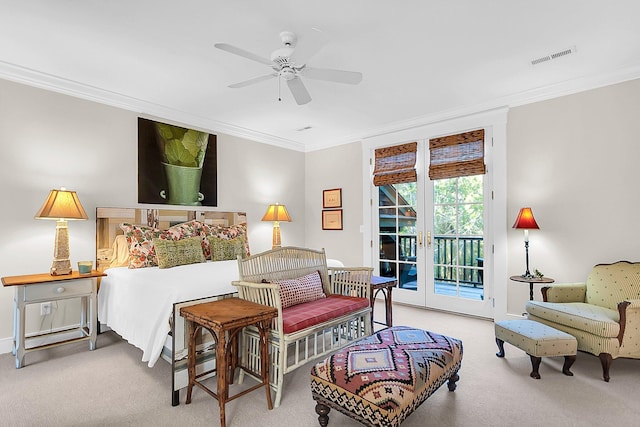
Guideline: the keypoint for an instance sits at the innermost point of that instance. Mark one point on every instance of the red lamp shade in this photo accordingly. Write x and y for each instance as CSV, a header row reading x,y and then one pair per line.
x,y
526,220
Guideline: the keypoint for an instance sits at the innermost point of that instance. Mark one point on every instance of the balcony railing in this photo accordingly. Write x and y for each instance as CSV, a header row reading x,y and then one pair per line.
x,y
452,257
470,259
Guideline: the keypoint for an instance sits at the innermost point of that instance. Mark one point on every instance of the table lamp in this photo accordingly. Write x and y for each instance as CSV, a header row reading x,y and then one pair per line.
x,y
61,205
276,213
526,221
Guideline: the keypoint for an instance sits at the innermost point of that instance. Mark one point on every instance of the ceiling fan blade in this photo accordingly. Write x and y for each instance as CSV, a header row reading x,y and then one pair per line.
x,y
298,91
309,45
338,76
244,53
253,81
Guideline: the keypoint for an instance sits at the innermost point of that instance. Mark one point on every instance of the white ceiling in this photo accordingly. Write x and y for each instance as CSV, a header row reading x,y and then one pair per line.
x,y
422,60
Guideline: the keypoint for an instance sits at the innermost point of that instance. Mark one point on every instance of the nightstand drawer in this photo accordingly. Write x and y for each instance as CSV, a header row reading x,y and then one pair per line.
x,y
54,290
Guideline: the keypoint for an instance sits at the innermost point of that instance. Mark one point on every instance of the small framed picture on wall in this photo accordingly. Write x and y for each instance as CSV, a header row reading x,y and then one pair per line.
x,y
332,220
332,198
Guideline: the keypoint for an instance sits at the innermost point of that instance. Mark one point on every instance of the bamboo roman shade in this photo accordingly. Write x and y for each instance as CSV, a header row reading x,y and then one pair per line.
x,y
457,155
395,165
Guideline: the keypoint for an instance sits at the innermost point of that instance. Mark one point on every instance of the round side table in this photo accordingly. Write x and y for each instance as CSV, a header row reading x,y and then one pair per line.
x,y
531,280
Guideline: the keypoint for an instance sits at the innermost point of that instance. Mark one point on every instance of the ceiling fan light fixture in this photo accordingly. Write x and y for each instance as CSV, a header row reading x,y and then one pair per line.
x,y
287,73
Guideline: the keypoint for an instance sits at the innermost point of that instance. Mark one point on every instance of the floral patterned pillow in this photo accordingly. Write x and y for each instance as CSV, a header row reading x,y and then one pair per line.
x,y
191,228
140,240
223,232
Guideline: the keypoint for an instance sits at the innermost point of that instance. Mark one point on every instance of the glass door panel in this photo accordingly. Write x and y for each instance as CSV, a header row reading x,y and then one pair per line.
x,y
458,245
397,233
458,210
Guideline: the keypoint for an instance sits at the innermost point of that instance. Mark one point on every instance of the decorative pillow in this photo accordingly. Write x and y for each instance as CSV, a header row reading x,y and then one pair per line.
x,y
303,289
224,249
120,256
171,253
140,240
191,228
223,232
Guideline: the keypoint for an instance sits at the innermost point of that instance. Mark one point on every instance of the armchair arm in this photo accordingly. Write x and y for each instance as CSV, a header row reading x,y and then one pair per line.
x,y
629,312
261,293
351,281
565,292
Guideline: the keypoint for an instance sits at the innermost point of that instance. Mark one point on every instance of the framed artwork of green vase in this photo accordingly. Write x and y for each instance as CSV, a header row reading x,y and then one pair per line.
x,y
176,165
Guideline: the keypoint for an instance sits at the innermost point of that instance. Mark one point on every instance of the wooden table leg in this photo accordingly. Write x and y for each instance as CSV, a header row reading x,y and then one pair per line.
x,y
221,370
372,302
191,358
389,313
264,359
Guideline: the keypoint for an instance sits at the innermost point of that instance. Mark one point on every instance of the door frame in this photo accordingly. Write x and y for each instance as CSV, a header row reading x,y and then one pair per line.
x,y
495,270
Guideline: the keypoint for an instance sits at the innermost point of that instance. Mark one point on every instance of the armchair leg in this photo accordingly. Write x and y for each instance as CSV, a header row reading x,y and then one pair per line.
x,y
605,360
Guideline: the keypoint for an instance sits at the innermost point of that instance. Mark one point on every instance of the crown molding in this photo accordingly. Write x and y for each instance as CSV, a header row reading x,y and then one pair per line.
x,y
76,89
544,93
69,87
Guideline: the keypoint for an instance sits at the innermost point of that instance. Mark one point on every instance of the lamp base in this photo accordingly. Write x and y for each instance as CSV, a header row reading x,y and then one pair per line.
x,y
276,242
528,275
61,263
61,267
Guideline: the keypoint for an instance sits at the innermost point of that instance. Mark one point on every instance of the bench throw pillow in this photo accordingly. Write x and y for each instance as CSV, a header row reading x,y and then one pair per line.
x,y
302,289
171,253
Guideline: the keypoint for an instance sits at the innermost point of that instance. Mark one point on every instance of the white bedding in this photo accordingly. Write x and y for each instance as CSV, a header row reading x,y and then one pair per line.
x,y
137,303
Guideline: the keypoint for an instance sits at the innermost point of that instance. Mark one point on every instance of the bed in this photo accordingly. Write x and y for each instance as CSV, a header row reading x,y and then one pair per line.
x,y
140,300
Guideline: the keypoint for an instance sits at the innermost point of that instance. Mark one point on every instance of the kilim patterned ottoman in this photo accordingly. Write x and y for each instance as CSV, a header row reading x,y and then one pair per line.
x,y
381,379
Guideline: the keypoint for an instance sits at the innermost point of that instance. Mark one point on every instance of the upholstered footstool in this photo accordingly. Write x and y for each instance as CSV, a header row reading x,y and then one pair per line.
x,y
381,379
537,340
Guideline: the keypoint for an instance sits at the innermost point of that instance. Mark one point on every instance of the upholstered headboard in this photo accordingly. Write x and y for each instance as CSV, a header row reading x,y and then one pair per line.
x,y
109,246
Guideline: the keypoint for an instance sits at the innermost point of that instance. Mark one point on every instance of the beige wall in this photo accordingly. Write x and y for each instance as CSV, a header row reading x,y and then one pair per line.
x,y
337,167
576,161
49,140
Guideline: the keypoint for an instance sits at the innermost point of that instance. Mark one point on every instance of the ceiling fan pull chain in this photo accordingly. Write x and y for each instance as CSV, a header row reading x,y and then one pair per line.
x,y
279,98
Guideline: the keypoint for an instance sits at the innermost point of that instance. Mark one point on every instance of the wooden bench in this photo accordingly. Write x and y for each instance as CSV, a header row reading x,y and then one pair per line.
x,y
311,329
537,340
380,380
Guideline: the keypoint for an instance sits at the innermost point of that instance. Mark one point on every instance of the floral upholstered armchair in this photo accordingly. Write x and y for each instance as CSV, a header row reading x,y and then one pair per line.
x,y
603,313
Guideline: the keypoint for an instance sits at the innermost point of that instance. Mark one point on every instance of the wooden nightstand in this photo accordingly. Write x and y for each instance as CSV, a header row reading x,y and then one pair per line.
x,y
38,288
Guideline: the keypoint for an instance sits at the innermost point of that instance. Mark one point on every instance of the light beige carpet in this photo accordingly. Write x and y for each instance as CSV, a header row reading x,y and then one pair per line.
x,y
71,386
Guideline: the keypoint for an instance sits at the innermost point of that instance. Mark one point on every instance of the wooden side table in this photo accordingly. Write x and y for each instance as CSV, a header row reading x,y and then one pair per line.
x,y
531,281
38,288
225,319
384,285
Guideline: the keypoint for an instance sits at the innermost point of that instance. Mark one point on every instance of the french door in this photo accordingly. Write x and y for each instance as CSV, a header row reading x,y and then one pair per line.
x,y
432,238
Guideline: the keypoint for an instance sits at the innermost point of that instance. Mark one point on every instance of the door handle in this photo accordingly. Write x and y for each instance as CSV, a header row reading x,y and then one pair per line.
x,y
420,238
428,238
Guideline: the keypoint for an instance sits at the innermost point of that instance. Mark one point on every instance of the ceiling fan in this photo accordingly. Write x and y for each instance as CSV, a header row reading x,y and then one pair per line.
x,y
288,64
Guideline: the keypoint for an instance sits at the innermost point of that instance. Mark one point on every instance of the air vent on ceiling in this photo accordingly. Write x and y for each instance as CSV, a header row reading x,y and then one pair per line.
x,y
555,55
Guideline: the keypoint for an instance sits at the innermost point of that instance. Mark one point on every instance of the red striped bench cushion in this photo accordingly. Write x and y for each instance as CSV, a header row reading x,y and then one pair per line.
x,y
308,314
